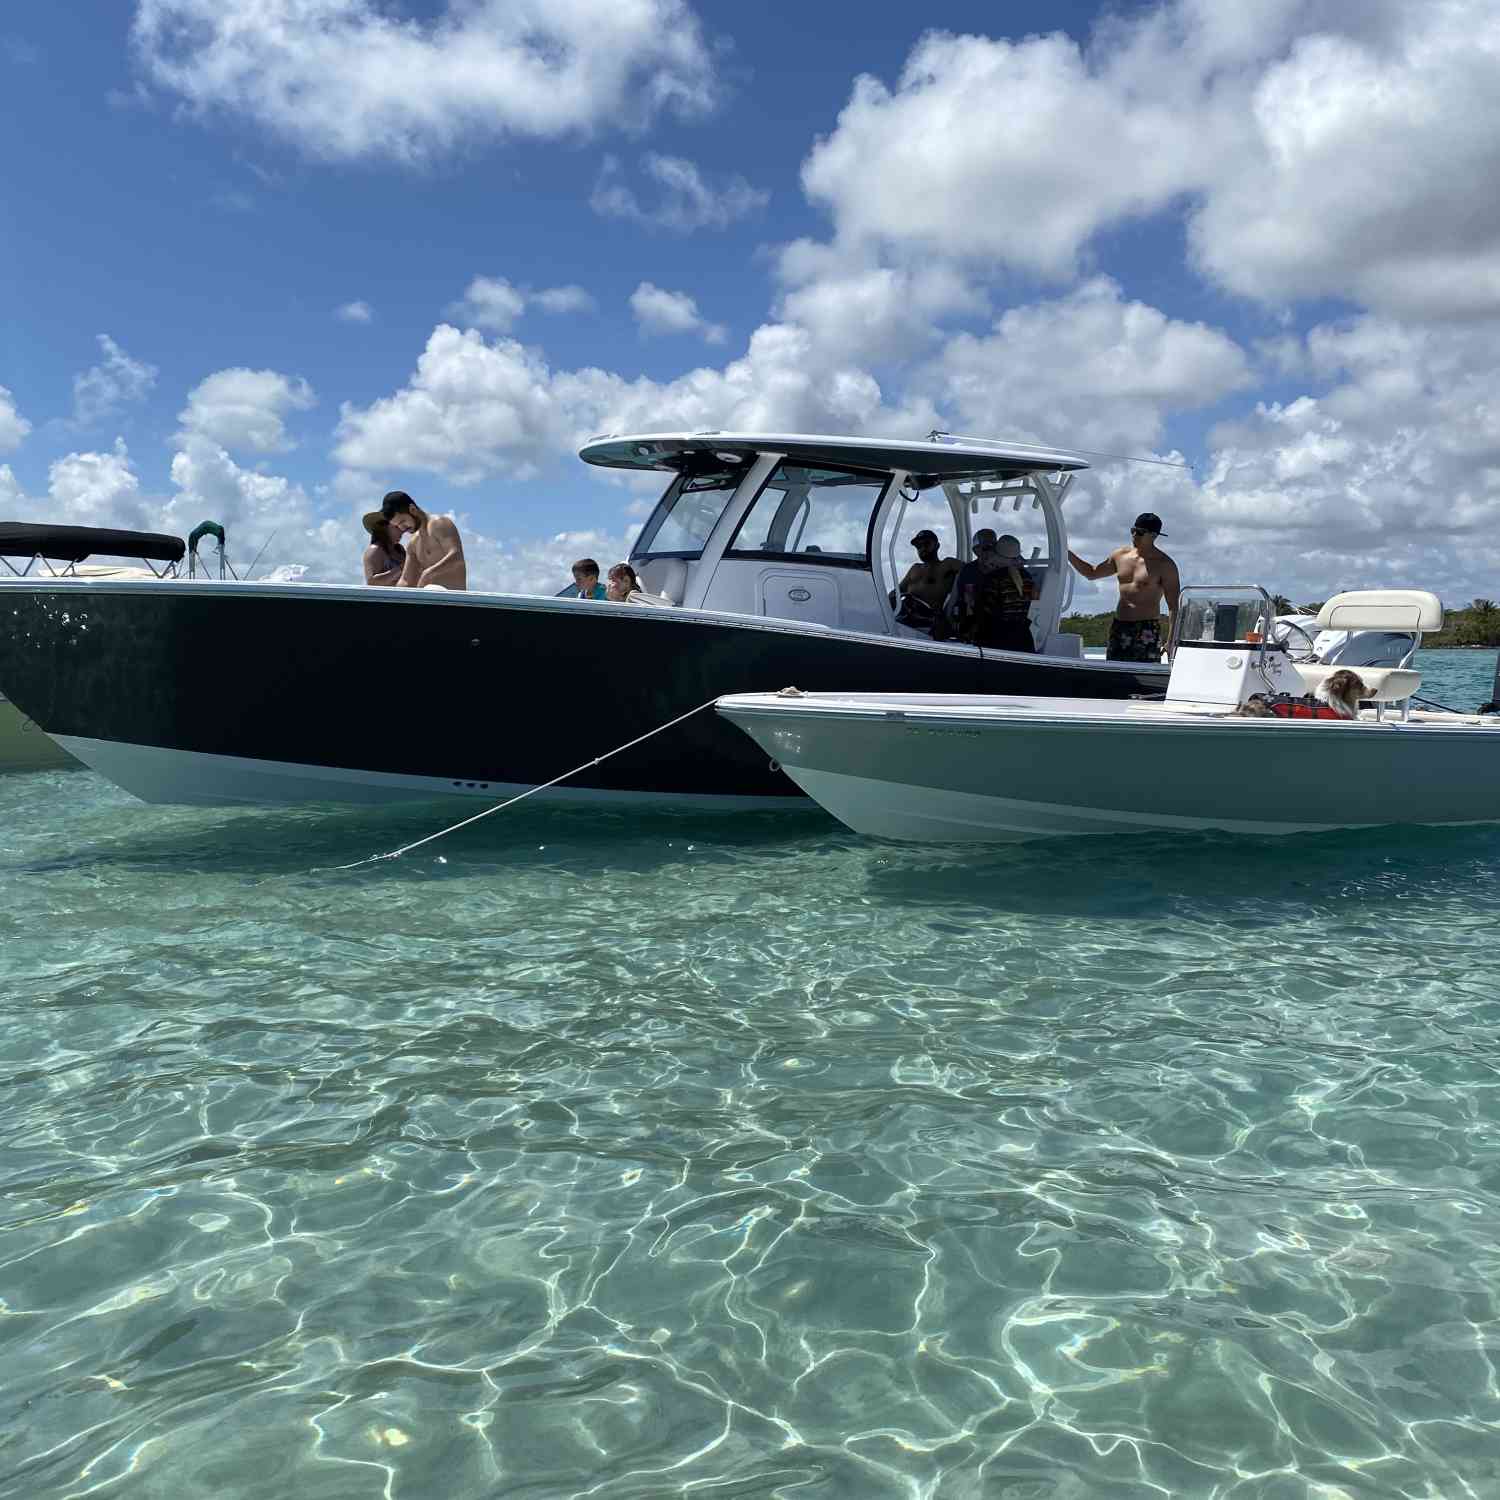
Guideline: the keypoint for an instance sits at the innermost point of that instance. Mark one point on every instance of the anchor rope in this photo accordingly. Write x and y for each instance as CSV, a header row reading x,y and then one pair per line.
x,y
376,859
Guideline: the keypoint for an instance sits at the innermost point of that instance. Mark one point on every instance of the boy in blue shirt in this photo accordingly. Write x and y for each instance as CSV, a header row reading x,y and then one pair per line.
x,y
586,579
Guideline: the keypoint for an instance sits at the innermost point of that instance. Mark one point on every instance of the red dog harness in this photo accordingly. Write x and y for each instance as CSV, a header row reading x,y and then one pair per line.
x,y
1287,706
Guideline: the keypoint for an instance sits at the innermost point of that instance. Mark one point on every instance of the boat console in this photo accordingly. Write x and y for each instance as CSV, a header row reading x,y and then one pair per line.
x,y
1224,648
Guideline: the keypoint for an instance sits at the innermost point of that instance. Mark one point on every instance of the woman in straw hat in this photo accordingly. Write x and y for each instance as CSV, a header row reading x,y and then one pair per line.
x,y
385,557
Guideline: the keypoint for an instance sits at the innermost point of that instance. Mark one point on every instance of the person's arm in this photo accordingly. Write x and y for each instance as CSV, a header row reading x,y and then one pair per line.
x,y
445,534
1171,589
379,569
411,573
1094,570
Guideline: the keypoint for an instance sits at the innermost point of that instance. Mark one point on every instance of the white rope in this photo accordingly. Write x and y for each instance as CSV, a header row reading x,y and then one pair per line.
x,y
375,859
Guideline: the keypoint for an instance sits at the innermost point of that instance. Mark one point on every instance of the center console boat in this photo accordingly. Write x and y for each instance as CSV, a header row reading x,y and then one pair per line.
x,y
777,554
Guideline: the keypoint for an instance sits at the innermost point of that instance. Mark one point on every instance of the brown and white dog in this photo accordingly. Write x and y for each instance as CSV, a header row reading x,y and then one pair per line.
x,y
1342,691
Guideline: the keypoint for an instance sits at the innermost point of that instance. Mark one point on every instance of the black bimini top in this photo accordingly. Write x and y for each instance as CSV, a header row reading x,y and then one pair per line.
x,y
925,463
75,543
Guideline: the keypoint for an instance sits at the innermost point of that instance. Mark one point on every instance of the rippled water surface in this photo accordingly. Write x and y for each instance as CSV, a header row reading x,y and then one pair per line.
x,y
637,1156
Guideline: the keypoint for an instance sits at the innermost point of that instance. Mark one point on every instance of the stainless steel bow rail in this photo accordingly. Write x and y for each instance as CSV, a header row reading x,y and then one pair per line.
x,y
376,859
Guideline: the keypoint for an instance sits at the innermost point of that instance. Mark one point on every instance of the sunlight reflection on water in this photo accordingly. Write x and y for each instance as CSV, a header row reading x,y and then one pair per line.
x,y
623,1154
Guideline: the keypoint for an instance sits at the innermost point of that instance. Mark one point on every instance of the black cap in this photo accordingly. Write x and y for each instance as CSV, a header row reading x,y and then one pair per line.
x,y
1148,520
925,531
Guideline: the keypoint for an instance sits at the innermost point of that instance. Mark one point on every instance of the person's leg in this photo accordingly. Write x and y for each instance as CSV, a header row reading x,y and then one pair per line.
x,y
1118,636
1017,635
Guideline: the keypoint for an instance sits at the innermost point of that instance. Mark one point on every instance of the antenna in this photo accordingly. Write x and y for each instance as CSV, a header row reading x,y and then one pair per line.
x,y
938,434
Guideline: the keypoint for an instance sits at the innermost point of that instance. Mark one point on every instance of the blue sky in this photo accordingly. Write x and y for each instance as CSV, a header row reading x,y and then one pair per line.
x,y
1249,240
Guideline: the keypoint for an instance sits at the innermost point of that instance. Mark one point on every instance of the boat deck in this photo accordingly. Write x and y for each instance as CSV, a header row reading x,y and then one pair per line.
x,y
957,709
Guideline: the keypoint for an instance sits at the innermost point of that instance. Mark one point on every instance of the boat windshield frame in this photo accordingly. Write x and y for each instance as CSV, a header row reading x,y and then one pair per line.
x,y
881,479
687,480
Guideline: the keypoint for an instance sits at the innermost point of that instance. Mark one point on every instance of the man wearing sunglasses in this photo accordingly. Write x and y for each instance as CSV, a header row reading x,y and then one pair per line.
x,y
1147,576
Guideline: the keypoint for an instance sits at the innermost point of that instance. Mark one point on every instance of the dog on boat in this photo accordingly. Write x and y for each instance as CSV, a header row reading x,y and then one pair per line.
x,y
1342,691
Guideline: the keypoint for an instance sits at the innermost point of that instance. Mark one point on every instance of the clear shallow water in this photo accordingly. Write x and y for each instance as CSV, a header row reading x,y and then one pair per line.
x,y
742,1157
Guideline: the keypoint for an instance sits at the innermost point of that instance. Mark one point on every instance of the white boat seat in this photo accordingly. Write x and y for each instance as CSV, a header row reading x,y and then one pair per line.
x,y
1382,609
1386,684
666,576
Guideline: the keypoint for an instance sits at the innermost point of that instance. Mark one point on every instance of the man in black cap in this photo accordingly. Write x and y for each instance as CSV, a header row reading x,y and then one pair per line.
x,y
1147,576
434,553
930,578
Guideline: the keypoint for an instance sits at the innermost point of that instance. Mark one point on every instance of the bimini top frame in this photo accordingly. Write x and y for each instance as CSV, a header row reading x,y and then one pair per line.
x,y
43,545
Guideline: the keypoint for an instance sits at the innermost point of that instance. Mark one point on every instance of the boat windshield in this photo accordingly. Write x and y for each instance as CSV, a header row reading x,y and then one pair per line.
x,y
1223,614
811,510
686,514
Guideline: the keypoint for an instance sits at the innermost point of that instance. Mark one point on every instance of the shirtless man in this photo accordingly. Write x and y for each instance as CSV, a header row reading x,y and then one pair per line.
x,y
1146,576
930,578
434,555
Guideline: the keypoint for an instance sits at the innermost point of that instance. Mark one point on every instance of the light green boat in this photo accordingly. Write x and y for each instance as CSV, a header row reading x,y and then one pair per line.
x,y
23,747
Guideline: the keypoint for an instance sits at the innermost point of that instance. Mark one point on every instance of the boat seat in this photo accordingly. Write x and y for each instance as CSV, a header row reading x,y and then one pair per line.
x,y
1386,684
1382,609
666,576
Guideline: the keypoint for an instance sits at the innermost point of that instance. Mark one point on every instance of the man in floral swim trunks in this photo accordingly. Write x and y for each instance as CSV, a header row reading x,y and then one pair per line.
x,y
1147,576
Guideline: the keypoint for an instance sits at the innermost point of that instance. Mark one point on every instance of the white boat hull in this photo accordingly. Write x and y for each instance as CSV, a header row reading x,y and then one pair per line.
x,y
189,778
975,770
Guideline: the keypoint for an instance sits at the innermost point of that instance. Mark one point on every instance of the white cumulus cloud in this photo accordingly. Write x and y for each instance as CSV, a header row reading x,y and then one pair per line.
x,y
494,303
474,408
657,310
13,426
1091,370
356,78
1324,150
246,409
685,199
563,299
116,381
97,489
355,312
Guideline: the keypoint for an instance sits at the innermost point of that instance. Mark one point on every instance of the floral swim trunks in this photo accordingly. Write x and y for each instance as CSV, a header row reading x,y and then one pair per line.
x,y
1135,640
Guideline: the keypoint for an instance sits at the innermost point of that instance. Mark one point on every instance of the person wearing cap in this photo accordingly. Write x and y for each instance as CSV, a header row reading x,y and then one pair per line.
x,y
1147,576
930,579
435,558
994,594
385,557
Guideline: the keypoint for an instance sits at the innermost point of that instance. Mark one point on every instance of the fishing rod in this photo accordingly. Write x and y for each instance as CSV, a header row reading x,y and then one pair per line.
x,y
258,555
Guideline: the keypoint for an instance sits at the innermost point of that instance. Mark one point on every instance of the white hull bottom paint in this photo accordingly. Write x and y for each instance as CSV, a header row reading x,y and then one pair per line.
x,y
924,814
184,776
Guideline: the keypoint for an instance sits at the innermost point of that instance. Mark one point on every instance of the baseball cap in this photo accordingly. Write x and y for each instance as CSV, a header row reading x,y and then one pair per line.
x,y
925,531
1148,520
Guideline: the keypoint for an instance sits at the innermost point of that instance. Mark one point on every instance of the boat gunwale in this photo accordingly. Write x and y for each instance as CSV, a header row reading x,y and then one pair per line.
x,y
1115,714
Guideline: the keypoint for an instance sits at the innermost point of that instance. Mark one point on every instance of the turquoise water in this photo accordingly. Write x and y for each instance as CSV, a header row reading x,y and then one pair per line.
x,y
638,1156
